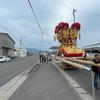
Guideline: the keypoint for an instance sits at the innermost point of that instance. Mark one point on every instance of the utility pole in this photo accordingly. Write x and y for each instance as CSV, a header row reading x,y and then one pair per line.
x,y
20,46
20,42
74,10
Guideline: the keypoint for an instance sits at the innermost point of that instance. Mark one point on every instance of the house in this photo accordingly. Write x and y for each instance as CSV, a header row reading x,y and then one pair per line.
x,y
20,52
23,52
7,45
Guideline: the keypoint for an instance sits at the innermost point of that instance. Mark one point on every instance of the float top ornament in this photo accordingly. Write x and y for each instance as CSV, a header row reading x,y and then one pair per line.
x,y
76,25
67,36
61,26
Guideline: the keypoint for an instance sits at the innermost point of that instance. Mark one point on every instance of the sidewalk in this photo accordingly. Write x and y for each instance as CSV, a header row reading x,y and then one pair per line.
x,y
45,83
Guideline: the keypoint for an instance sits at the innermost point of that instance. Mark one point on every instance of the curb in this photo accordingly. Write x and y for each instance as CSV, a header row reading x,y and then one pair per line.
x,y
76,87
32,67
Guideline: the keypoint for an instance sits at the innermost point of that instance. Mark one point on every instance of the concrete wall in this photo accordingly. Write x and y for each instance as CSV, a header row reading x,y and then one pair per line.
x,y
6,41
11,53
6,44
0,52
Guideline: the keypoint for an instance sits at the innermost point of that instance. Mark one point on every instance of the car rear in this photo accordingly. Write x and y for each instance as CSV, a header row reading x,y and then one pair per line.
x,y
2,59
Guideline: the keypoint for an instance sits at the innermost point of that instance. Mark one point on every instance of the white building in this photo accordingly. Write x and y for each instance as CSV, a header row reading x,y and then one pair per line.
x,y
20,52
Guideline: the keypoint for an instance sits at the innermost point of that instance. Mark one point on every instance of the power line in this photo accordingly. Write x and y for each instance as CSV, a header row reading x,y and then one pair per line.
x,y
37,23
79,11
89,13
11,25
8,31
18,31
12,9
24,16
60,3
35,16
90,30
17,40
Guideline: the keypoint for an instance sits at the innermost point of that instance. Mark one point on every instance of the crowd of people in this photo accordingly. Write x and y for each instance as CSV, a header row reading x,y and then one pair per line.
x,y
44,57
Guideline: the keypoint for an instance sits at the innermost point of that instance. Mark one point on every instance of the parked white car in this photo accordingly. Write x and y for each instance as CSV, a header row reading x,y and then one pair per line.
x,y
4,58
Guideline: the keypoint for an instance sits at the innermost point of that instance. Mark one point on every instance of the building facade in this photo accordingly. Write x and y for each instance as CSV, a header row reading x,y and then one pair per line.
x,y
21,52
7,45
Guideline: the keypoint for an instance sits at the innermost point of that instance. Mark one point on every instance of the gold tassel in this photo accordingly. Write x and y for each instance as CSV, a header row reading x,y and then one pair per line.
x,y
79,36
55,37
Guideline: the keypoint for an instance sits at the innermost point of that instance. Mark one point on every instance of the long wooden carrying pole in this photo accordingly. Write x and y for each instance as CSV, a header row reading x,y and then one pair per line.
x,y
83,62
73,64
87,58
82,58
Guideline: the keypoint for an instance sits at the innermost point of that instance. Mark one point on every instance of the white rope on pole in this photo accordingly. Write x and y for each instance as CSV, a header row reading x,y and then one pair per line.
x,y
87,68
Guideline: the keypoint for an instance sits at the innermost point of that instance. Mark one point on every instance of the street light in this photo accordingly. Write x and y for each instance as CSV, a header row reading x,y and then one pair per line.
x,y
74,10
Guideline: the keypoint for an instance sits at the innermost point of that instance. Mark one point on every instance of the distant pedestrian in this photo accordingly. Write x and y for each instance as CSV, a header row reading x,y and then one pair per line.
x,y
47,56
50,59
84,55
40,57
43,58
96,70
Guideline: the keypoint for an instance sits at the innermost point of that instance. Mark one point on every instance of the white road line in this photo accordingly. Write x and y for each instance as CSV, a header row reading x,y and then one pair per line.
x,y
10,87
81,92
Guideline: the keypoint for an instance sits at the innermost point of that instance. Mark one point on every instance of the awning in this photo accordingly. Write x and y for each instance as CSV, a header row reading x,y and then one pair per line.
x,y
54,47
6,47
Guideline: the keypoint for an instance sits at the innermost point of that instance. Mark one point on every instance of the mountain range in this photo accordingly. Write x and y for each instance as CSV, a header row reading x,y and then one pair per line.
x,y
33,50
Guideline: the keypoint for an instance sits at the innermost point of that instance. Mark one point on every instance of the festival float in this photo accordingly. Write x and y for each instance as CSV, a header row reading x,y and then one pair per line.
x,y
67,36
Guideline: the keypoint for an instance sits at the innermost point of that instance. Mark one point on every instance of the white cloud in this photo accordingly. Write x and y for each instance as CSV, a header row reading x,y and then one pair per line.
x,y
16,15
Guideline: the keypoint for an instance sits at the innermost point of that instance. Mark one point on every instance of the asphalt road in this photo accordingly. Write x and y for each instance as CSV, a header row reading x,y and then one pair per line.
x,y
44,87
9,70
45,83
84,78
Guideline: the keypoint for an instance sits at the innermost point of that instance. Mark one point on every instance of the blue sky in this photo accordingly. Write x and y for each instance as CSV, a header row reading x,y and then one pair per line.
x,y
16,18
